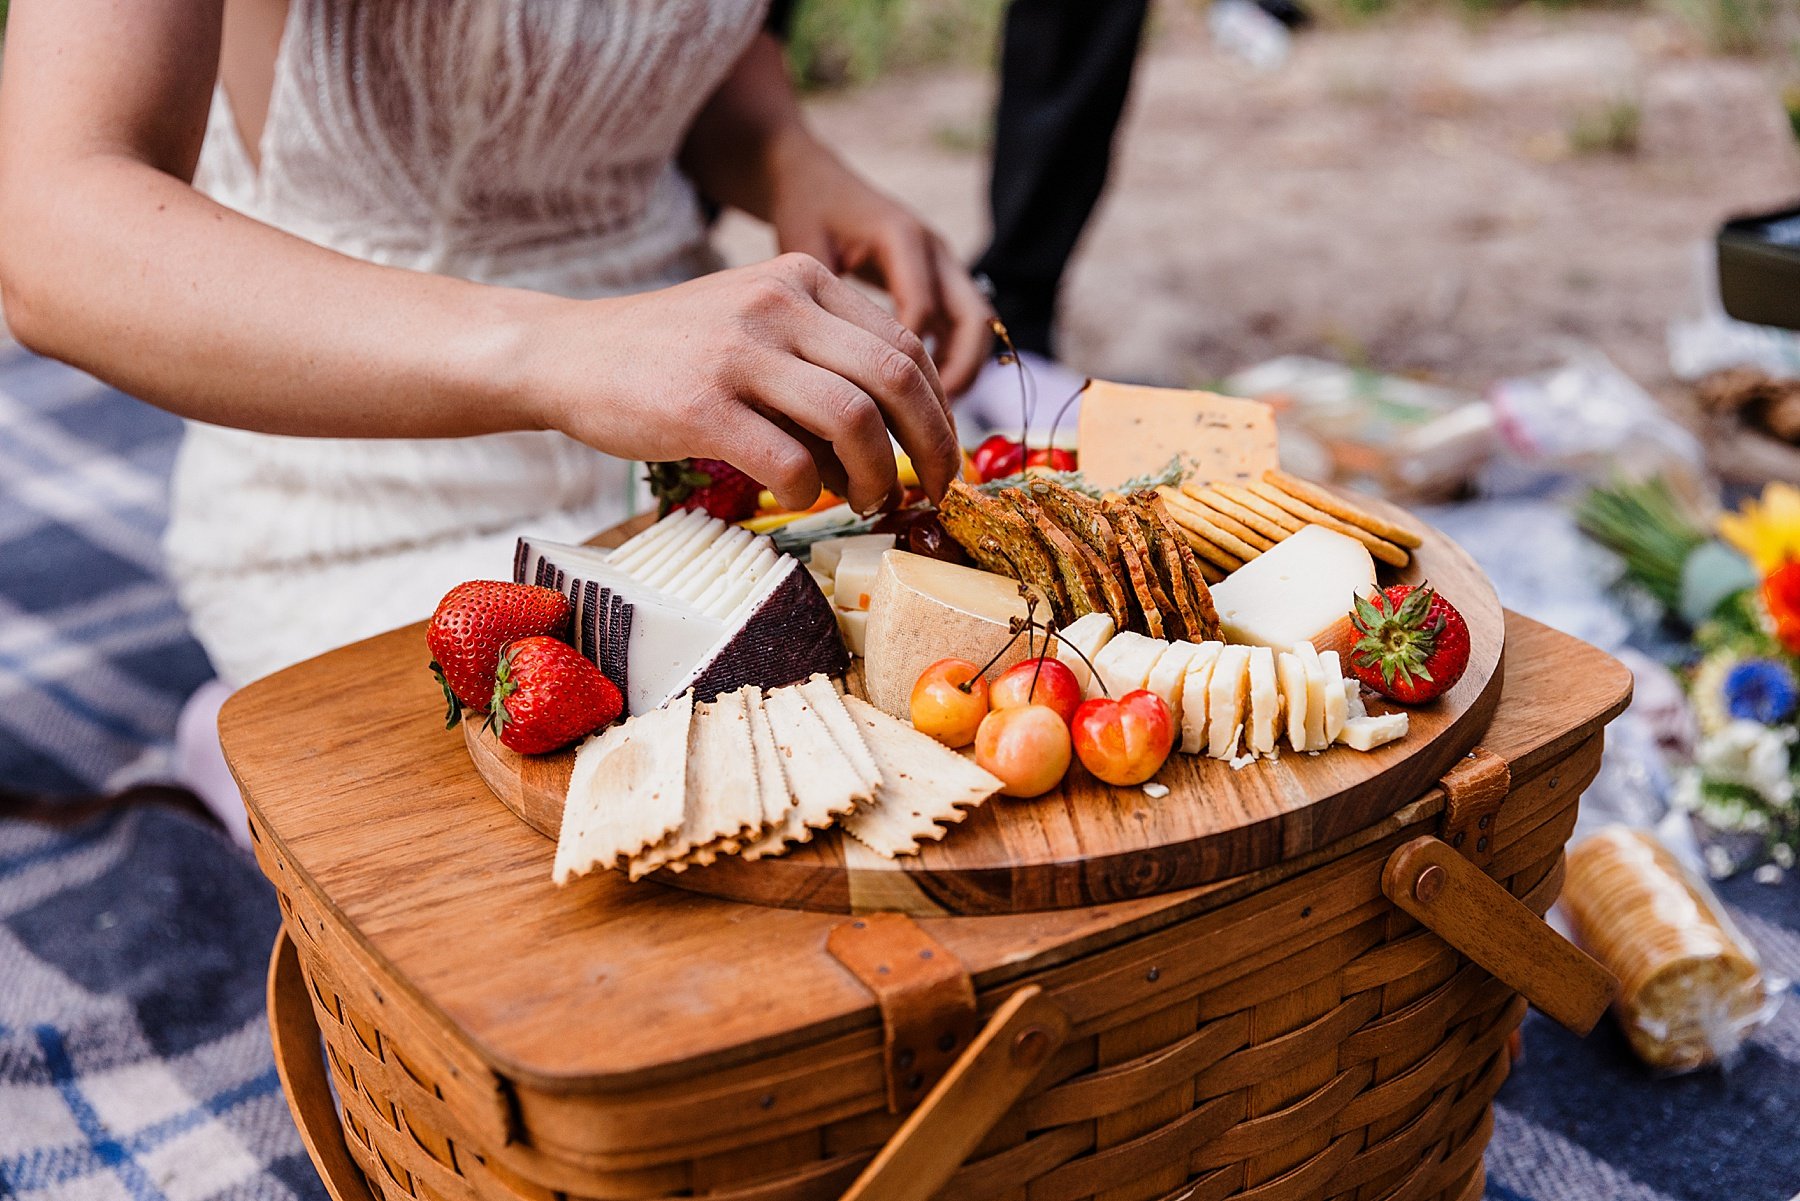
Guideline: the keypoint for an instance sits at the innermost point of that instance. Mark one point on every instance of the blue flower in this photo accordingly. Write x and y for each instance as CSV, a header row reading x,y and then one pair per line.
x,y
1761,690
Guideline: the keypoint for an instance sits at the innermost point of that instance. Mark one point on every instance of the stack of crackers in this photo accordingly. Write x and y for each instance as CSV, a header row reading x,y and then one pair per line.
x,y
1227,525
753,773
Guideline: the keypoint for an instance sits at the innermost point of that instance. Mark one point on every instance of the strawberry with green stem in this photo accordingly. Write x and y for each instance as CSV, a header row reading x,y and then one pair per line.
x,y
471,625
1412,645
547,694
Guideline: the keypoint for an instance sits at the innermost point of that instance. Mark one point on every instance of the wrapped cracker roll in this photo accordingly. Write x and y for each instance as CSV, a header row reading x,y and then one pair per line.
x,y
1692,989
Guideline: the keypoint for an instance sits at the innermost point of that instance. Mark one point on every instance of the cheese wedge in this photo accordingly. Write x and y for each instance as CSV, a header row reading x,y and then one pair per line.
x,y
1264,730
924,785
1315,698
1225,697
923,610
1194,697
1123,664
1337,705
1301,590
1367,733
1168,679
1127,430
828,552
1086,634
1353,698
630,795
1290,678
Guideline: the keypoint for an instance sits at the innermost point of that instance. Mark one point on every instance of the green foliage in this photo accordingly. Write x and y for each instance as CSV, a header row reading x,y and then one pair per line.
x,y
1647,526
835,43
1610,129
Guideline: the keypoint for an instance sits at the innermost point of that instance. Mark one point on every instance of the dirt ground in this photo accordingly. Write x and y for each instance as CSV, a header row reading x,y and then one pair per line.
x,y
1419,193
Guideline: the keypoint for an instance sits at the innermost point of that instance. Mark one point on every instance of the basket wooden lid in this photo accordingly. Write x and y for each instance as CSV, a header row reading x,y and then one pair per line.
x,y
1086,842
599,985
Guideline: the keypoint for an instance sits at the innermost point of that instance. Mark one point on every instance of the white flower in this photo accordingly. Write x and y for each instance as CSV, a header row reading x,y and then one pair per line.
x,y
1754,756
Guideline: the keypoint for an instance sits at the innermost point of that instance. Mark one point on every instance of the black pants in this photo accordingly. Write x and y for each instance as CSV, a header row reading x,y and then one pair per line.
x,y
1065,70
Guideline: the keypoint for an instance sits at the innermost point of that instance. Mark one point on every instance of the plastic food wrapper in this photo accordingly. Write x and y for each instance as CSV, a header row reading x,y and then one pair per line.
x,y
1693,989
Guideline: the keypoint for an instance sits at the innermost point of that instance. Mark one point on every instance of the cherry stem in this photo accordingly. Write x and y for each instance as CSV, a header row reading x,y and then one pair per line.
x,y
1025,388
1056,421
1090,666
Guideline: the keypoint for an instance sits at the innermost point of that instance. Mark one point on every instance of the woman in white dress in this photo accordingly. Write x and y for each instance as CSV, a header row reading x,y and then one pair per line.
x,y
427,273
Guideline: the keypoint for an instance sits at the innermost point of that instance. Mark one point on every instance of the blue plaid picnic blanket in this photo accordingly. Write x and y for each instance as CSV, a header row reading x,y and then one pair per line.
x,y
134,1053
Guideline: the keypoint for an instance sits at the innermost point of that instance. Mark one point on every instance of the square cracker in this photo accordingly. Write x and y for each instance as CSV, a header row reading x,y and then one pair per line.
x,y
924,785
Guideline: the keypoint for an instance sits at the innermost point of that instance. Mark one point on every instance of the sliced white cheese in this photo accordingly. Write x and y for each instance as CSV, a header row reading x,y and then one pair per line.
x,y
1169,677
853,583
1315,698
1353,698
823,581
827,551
1225,696
1337,706
752,560
853,624
1367,733
1086,634
1194,697
1290,677
1124,663
678,553
647,541
1264,730
711,564
1300,591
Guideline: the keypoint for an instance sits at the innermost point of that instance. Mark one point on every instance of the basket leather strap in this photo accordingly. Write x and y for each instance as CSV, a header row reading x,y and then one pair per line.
x,y
1474,790
926,997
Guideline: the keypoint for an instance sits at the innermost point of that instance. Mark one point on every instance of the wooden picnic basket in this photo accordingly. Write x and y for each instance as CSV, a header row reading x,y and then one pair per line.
x,y
1324,1012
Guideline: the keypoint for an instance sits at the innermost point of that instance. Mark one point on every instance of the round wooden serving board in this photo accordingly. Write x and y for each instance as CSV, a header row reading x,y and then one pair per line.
x,y
1088,843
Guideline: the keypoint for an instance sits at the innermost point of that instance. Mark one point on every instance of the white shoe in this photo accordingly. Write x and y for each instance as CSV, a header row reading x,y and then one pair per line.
x,y
993,402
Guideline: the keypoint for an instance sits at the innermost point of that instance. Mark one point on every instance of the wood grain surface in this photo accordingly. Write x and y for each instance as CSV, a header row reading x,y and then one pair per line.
x,y
1087,842
603,984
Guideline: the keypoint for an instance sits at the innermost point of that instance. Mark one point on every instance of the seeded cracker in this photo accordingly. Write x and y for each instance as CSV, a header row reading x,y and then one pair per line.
x,y
1330,502
1138,569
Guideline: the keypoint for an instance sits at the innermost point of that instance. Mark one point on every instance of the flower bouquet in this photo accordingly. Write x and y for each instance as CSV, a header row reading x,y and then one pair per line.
x,y
1734,582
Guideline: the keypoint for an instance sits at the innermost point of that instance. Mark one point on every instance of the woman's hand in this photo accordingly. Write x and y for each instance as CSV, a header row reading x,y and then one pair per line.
x,y
822,208
781,369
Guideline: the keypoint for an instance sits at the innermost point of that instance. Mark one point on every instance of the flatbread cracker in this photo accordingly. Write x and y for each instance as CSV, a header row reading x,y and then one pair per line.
x,y
822,780
924,785
629,795
718,806
1381,548
1330,502
1274,514
1218,502
1248,534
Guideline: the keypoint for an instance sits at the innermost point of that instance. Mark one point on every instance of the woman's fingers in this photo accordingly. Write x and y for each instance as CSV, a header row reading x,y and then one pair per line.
x,y
966,334
830,407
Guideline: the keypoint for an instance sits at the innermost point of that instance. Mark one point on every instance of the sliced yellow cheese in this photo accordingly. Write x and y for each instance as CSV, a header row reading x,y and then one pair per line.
x,y
1124,663
1168,677
1193,697
1225,697
922,610
1367,733
1337,705
1265,703
853,582
1290,677
828,552
1295,593
1086,634
1127,430
853,624
1315,698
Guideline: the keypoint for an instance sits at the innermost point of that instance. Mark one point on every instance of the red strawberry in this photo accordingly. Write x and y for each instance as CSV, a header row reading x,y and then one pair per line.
x,y
710,484
547,694
473,622
1412,645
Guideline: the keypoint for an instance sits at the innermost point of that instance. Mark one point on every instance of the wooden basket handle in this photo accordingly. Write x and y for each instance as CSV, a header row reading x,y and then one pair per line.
x,y
294,1030
1468,909
958,1113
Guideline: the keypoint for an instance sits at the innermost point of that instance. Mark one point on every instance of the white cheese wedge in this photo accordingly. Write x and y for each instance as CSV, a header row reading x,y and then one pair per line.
x,y
647,541
1194,697
1128,430
923,610
1337,706
1225,697
1086,634
1290,678
744,613
853,626
1124,663
1168,679
1367,733
853,583
1264,730
1301,591
1315,698
827,551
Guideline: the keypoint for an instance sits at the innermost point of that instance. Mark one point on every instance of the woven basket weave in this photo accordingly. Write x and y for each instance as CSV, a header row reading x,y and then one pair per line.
x,y
1306,1040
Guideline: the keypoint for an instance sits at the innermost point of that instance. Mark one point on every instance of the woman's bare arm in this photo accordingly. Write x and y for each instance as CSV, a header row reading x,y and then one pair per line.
x,y
110,260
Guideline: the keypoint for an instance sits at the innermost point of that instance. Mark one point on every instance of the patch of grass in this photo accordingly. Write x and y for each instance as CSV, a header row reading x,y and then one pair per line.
x,y
834,43
1790,99
1609,129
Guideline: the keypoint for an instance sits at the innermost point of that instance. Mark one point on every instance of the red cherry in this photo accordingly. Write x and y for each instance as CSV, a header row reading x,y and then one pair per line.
x,y
997,457
1053,457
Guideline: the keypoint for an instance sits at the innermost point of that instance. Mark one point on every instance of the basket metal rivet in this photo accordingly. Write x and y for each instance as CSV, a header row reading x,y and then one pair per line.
x,y
1153,975
1481,846
1430,883
925,954
904,1060
1031,1047
1306,912
767,1101
1483,823
915,1082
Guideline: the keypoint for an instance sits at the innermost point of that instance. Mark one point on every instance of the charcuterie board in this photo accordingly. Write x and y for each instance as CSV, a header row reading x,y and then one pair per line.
x,y
1086,842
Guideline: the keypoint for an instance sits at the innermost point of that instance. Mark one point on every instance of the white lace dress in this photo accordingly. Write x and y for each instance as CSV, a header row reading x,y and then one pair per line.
x,y
528,143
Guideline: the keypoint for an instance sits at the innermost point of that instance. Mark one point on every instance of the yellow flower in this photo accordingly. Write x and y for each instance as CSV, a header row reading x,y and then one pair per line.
x,y
1767,531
